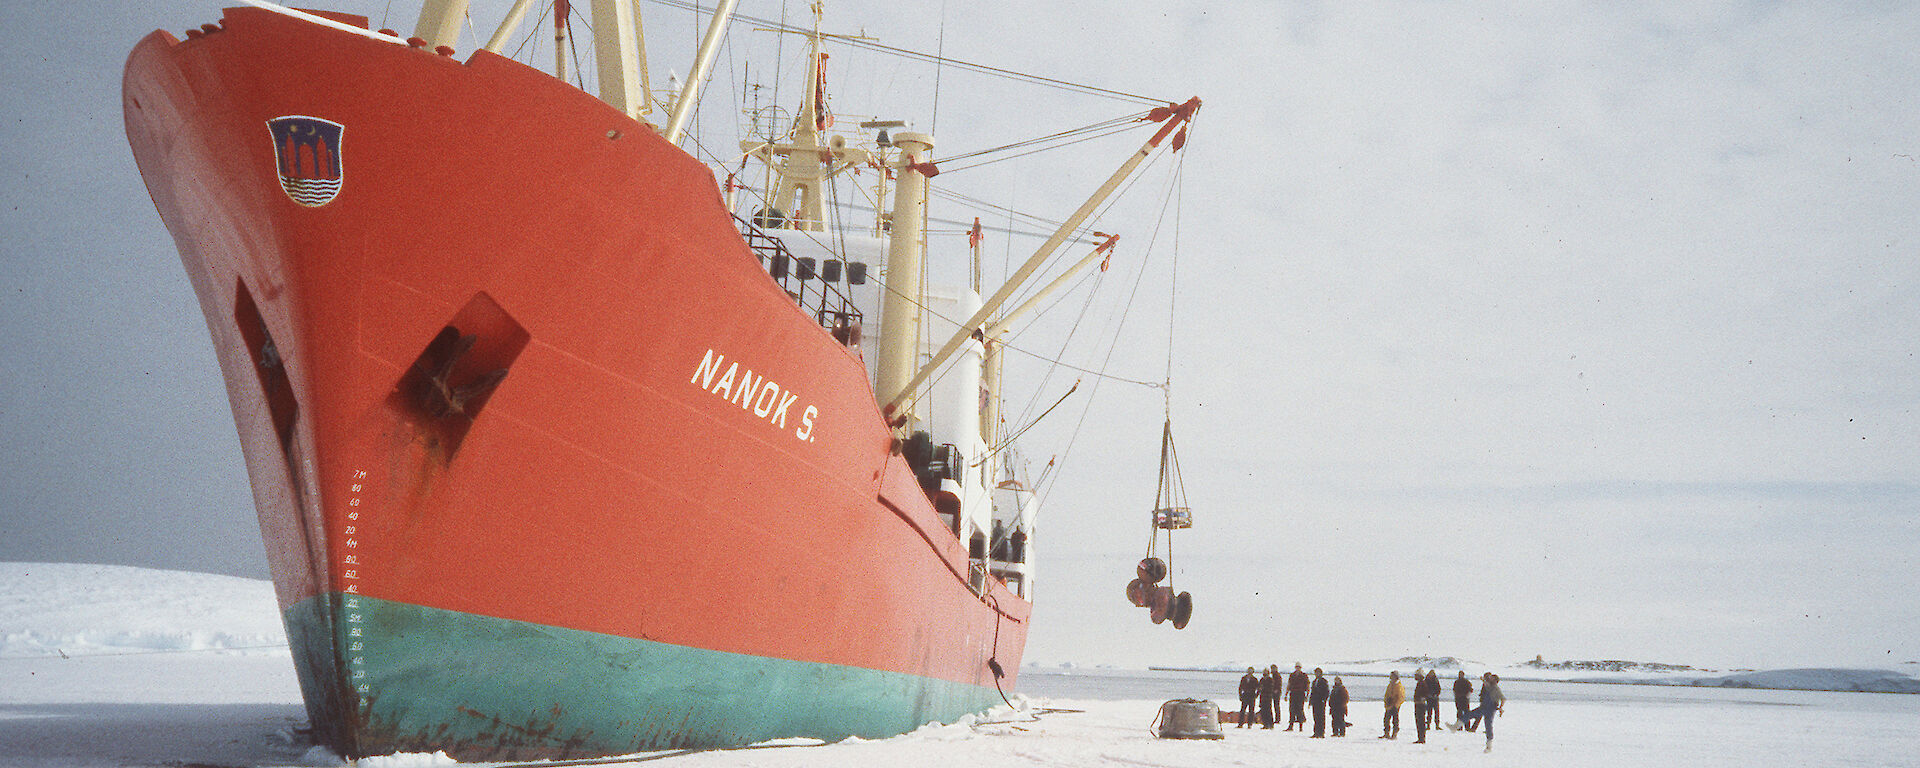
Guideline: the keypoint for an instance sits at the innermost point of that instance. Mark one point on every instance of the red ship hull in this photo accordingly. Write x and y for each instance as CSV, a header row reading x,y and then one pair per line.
x,y
547,466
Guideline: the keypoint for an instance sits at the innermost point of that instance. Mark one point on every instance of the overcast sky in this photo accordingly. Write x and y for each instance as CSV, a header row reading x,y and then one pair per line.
x,y
1583,330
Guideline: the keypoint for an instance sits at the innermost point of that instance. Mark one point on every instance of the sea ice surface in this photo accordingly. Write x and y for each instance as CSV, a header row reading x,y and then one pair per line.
x,y
105,666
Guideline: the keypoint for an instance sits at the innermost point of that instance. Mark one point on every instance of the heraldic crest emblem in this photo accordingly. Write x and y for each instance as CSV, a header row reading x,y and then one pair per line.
x,y
308,152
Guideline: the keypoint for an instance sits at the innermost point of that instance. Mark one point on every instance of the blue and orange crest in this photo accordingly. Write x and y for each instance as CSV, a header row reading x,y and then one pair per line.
x,y
308,152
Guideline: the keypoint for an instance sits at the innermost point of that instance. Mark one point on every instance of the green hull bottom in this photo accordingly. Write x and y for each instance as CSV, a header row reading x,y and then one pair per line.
x,y
404,678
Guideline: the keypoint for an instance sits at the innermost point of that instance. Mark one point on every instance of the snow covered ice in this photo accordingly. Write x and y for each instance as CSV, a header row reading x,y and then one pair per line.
x,y
113,666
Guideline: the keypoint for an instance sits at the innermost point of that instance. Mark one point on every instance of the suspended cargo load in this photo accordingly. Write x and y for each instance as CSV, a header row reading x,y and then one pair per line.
x,y
1170,514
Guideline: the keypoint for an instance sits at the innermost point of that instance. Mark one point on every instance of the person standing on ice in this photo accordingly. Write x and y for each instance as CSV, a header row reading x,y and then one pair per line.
x,y
1434,689
1269,695
1420,705
1396,695
1318,699
1337,707
1492,702
1297,697
1462,691
1249,691
1431,685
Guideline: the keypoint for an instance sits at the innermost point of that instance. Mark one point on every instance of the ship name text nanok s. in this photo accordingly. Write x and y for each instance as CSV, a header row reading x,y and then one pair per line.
x,y
761,396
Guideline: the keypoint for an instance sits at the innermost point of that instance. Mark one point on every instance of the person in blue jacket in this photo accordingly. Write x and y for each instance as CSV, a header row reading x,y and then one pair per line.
x,y
1492,702
1462,692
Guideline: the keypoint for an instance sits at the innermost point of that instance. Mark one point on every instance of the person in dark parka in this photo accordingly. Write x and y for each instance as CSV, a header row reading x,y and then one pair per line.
x,y
1426,700
1420,706
1297,698
1318,700
1269,695
1434,689
1337,707
1462,691
1249,692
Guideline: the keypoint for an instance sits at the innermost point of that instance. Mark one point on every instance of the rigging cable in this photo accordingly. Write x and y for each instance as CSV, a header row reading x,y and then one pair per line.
x,y
1065,85
1015,437
983,206
1173,274
573,47
1055,364
1101,373
1171,493
939,56
1128,119
780,56
1109,131
532,32
1126,308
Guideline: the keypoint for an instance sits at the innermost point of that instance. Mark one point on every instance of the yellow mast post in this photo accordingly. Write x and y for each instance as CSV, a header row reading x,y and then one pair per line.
x,y
439,22
900,306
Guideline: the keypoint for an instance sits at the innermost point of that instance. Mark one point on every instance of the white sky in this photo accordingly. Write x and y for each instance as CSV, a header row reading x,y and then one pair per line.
x,y
1585,330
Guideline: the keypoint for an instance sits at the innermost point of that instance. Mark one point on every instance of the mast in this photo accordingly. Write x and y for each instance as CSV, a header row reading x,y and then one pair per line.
x,y
619,46
900,307
992,365
561,10
882,141
805,160
440,22
617,53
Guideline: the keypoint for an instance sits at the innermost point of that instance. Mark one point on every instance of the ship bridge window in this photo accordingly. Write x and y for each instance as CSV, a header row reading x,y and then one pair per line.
x,y
806,267
778,267
830,271
856,273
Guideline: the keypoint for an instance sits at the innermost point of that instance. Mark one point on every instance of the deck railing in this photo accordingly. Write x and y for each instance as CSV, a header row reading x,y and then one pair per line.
x,y
816,293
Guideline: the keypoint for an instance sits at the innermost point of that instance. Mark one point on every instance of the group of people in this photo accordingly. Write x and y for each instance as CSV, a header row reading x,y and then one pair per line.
x,y
1261,694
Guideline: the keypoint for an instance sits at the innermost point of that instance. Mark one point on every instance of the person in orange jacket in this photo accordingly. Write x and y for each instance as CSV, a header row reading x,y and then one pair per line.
x,y
1396,695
